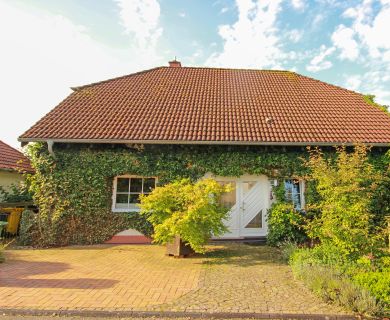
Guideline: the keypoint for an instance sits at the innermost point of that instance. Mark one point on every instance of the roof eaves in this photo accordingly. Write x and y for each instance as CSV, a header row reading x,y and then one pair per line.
x,y
200,142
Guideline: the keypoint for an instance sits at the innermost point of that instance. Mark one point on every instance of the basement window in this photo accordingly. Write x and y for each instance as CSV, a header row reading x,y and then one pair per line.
x,y
294,192
127,192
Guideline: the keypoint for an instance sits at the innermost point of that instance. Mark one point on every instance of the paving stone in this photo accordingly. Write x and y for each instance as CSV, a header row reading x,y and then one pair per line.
x,y
229,278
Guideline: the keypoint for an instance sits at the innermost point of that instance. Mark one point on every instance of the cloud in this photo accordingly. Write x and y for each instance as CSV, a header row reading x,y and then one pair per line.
x,y
353,82
295,35
182,14
343,38
367,39
140,18
319,62
371,30
252,41
43,55
317,20
298,4
224,10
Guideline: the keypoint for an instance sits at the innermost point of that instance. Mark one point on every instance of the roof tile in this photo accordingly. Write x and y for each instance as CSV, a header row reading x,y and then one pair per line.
x,y
12,159
211,104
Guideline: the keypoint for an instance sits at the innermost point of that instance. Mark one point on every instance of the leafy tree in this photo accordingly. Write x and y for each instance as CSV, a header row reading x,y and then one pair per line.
x,y
345,185
191,210
370,99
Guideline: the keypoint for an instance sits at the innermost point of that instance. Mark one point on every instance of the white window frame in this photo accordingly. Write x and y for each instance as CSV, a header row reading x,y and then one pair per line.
x,y
302,190
114,188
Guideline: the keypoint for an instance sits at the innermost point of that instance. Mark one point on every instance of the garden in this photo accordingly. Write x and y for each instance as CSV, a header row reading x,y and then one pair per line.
x,y
337,245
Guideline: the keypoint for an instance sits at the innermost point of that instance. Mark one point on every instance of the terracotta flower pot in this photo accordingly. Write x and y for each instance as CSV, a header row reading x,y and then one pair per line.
x,y
178,248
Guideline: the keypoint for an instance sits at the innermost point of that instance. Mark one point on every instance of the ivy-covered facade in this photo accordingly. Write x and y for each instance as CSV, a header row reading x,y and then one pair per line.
x,y
74,187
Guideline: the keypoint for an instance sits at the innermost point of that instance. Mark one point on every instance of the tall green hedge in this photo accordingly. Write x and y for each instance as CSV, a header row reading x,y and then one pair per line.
x,y
74,189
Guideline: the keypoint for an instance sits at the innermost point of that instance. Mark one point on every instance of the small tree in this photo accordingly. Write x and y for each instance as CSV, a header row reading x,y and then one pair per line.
x,y
190,210
345,186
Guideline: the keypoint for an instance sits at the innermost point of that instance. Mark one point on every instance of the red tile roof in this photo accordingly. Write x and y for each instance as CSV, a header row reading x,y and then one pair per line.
x,y
210,105
12,159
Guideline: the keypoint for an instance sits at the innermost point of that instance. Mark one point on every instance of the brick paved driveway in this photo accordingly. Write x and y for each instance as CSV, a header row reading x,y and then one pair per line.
x,y
230,278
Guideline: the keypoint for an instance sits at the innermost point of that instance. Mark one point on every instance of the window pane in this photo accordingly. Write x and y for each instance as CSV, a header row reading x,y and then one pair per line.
x,y
122,201
257,221
293,193
149,184
134,198
247,186
228,199
122,185
136,185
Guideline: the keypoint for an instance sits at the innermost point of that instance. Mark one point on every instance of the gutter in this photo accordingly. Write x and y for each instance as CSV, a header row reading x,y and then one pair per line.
x,y
50,142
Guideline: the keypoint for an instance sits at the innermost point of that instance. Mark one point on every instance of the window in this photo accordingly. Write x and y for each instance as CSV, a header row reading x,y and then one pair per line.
x,y
294,192
256,222
228,199
127,191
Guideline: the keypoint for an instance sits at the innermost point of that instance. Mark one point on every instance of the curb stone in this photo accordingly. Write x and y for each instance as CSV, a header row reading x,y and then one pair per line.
x,y
173,314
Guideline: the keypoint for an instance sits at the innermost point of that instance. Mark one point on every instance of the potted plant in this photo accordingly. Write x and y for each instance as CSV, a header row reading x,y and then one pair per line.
x,y
185,214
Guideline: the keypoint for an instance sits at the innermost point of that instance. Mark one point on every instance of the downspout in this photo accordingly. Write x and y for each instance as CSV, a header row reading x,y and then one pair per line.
x,y
50,144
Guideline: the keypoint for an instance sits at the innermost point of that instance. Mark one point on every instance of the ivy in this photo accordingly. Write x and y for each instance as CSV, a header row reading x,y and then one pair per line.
x,y
74,190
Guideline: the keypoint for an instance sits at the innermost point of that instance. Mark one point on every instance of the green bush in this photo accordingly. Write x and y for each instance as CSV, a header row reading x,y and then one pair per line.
x,y
16,193
332,285
378,283
345,186
287,250
190,210
285,224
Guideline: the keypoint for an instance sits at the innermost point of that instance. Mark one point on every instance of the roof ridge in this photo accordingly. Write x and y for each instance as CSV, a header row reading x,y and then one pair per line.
x,y
76,88
115,78
235,69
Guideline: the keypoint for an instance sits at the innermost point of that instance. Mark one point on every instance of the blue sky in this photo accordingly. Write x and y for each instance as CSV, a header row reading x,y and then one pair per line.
x,y
50,45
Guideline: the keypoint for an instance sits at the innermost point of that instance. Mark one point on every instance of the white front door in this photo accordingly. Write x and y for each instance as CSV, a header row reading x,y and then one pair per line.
x,y
248,204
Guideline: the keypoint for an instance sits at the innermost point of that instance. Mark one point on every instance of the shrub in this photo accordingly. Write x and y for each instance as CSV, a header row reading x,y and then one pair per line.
x,y
16,193
378,283
380,203
190,210
345,186
287,250
285,224
331,284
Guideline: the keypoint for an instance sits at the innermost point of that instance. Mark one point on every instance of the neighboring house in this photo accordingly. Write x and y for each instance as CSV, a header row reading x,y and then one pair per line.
x,y
213,106
12,165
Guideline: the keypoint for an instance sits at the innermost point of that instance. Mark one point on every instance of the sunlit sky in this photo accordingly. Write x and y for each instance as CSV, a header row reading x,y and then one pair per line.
x,y
47,46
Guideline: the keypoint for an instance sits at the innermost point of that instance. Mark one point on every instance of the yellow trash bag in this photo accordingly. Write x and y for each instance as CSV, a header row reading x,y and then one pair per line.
x,y
13,219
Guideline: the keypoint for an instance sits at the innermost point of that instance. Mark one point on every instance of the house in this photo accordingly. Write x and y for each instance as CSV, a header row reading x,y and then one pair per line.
x,y
12,165
203,109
